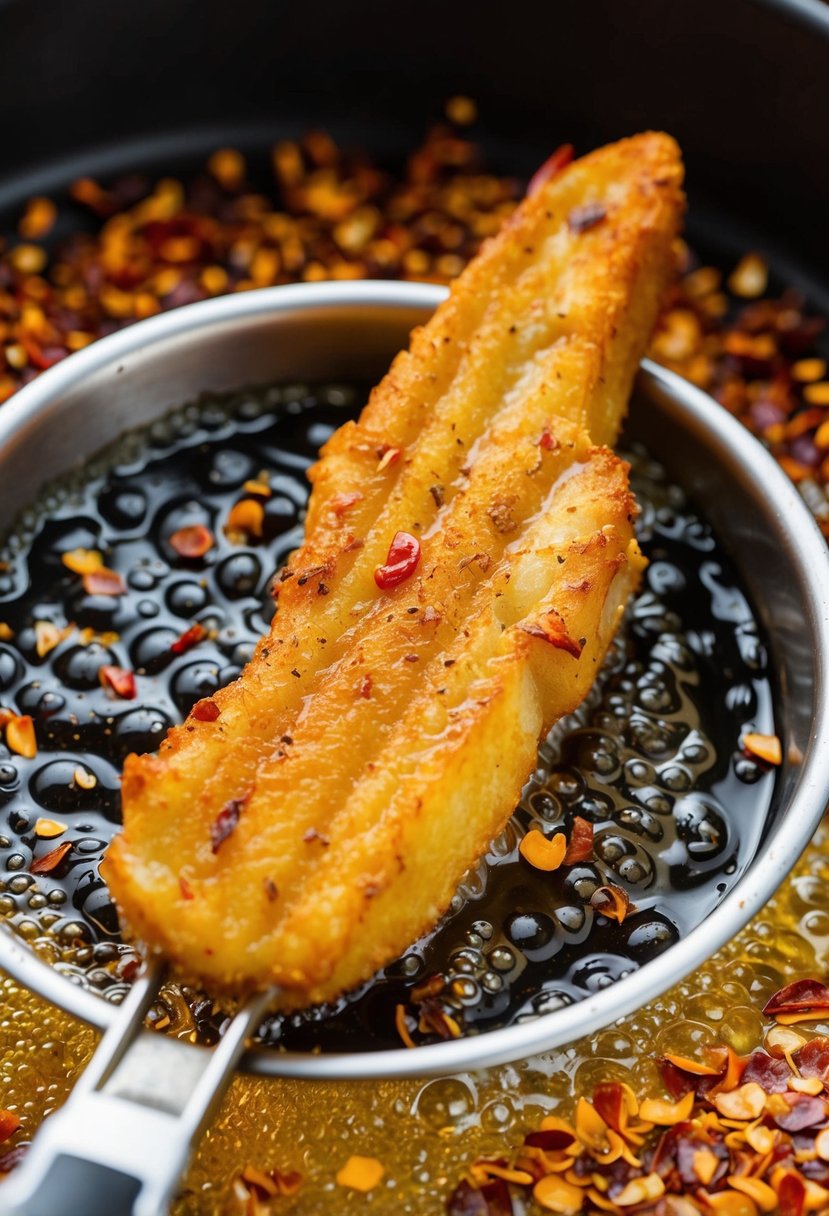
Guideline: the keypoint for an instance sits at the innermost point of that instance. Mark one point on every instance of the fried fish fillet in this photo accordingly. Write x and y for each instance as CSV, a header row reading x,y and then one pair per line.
x,y
379,739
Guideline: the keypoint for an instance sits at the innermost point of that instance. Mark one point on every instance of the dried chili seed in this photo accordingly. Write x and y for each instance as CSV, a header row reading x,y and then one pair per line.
x,y
82,561
245,519
118,680
51,861
48,636
745,1102
541,853
765,747
666,1114
192,542
20,736
554,1194
48,829
401,562
360,1173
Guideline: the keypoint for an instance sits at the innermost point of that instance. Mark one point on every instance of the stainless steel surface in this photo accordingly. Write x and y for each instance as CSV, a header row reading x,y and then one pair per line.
x,y
343,330
119,1145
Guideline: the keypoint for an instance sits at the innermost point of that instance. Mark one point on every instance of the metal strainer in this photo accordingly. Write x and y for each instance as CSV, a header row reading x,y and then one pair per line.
x,y
121,1141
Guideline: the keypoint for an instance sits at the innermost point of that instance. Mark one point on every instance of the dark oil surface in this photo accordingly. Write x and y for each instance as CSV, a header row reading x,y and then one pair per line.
x,y
652,759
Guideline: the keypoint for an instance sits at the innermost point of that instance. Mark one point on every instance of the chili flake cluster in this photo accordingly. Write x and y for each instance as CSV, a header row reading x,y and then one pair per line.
x,y
757,354
320,213
736,1135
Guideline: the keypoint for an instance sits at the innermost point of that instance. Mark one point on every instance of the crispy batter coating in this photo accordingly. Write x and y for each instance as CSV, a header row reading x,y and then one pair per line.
x,y
378,740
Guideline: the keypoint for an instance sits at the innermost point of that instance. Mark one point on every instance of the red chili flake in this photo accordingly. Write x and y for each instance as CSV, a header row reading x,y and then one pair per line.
x,y
366,686
193,541
802,996
581,842
805,1111
227,821
551,628
548,442
812,1059
770,1074
581,219
609,1101
791,1195
551,1140
185,888
492,1199
205,710
676,1081
9,1123
341,503
401,563
118,680
51,861
191,637
104,582
551,168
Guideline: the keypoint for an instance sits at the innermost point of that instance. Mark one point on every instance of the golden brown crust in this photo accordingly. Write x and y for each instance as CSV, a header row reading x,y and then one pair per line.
x,y
480,442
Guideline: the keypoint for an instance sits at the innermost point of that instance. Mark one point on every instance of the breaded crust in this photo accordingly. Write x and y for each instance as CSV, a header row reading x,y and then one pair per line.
x,y
379,739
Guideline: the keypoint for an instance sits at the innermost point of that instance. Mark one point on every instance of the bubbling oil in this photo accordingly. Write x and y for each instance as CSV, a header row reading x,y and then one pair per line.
x,y
652,758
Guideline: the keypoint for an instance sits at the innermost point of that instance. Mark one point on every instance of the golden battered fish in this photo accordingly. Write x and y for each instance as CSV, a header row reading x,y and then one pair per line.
x,y
468,555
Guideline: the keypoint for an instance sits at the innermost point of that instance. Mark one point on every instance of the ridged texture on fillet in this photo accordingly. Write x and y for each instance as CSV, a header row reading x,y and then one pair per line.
x,y
378,740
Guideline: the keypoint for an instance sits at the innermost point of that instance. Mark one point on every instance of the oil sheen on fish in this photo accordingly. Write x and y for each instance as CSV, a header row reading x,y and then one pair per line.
x,y
380,736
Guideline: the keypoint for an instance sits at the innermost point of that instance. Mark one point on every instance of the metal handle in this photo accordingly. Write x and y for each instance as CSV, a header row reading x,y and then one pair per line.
x,y
120,1143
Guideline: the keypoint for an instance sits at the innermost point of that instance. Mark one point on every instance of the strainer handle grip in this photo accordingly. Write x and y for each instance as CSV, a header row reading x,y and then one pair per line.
x,y
120,1144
